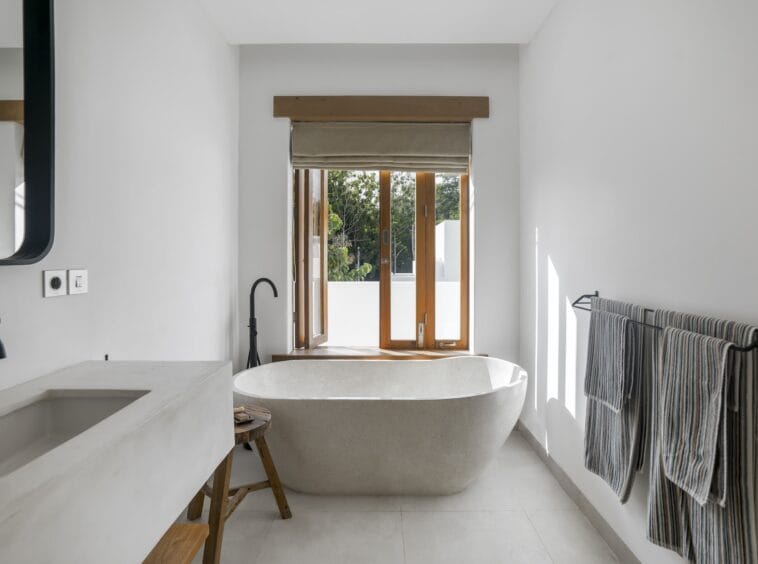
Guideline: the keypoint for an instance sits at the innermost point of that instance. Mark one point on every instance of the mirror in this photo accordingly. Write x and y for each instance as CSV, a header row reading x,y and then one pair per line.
x,y
26,130
12,188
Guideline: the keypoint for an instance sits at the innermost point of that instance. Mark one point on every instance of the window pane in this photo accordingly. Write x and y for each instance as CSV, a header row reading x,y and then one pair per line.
x,y
318,322
353,258
403,256
447,253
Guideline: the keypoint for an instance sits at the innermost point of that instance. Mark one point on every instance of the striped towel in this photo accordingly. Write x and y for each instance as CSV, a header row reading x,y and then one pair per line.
x,y
710,533
613,438
693,411
611,359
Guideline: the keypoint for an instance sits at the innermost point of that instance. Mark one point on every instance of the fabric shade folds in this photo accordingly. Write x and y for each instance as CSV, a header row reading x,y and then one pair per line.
x,y
427,147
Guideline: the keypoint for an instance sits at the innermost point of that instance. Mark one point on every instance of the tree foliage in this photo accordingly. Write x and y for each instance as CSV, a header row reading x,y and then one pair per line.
x,y
353,225
354,221
341,261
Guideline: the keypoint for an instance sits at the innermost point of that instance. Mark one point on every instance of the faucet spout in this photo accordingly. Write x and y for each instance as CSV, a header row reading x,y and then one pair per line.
x,y
252,358
252,293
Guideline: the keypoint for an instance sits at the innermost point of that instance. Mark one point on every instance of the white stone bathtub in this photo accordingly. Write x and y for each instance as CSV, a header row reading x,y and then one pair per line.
x,y
422,427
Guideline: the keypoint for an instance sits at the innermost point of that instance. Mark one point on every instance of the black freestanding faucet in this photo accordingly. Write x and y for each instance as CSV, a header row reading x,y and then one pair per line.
x,y
252,358
2,350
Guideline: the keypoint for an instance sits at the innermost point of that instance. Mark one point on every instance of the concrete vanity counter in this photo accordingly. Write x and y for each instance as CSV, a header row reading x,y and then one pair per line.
x,y
110,492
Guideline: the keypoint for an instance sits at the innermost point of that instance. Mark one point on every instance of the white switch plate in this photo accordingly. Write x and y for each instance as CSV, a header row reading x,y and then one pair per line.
x,y
78,282
54,283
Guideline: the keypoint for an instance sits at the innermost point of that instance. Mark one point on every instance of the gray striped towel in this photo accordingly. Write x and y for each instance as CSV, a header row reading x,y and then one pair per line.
x,y
611,359
711,533
693,411
612,439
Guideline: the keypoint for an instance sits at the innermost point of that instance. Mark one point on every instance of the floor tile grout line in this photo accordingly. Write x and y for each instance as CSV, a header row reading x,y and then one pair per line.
x,y
602,538
402,536
539,536
264,539
514,510
581,515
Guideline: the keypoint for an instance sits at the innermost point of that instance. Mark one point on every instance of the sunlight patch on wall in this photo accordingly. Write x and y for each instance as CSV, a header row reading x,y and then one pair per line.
x,y
535,376
553,330
570,357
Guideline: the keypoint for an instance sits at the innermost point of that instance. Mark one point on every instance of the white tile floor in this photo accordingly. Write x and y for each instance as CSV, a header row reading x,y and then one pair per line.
x,y
516,512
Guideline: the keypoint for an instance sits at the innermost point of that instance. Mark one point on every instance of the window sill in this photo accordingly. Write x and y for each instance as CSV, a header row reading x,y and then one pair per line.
x,y
367,353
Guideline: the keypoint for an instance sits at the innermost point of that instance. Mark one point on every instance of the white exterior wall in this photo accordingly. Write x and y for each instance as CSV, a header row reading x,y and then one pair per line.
x,y
354,311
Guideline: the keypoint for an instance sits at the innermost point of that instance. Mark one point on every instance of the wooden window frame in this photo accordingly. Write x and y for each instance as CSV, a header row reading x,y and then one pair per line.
x,y
304,183
385,265
425,269
298,261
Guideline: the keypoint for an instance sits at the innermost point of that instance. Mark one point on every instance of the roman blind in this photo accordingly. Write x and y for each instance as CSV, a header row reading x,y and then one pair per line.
x,y
427,147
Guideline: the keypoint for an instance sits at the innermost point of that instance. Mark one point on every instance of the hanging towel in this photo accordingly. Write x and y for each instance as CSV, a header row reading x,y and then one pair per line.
x,y
611,359
613,437
710,533
693,413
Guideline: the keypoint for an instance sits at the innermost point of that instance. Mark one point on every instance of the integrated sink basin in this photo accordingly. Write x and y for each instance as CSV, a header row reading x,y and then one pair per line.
x,y
99,448
53,417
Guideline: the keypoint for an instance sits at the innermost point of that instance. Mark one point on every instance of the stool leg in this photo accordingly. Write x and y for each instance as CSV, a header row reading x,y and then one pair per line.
x,y
195,507
217,516
273,477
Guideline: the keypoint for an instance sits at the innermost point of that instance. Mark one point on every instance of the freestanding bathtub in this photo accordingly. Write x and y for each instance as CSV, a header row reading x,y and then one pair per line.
x,y
385,427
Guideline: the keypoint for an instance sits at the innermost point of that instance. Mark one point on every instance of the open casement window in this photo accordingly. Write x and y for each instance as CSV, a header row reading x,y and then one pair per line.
x,y
311,257
418,256
424,293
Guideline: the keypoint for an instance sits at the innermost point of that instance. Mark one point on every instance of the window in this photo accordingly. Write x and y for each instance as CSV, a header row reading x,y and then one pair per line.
x,y
311,231
381,259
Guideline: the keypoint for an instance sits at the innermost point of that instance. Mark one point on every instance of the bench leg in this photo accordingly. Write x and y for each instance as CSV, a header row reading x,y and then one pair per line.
x,y
273,477
217,516
195,507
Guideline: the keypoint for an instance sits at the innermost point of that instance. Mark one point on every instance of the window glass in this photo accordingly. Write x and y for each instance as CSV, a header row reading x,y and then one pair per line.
x,y
403,256
447,257
353,249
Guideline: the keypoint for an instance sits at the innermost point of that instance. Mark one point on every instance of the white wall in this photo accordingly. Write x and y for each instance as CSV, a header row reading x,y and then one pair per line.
x,y
265,184
638,131
146,142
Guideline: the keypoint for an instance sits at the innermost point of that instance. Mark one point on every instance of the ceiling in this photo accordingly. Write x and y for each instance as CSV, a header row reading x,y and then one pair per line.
x,y
388,21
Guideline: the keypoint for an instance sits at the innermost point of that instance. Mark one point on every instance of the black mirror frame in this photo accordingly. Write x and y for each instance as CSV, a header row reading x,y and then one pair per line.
x,y
39,133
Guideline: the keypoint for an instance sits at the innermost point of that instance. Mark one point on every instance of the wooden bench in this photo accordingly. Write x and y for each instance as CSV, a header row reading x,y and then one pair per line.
x,y
179,545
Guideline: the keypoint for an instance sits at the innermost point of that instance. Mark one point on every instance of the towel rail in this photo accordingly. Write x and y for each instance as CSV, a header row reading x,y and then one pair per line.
x,y
582,301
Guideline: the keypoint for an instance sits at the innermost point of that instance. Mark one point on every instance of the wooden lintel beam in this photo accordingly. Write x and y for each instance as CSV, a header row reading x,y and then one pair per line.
x,y
12,110
428,109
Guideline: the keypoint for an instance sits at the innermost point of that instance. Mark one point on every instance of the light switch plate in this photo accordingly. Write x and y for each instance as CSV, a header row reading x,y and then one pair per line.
x,y
54,283
78,282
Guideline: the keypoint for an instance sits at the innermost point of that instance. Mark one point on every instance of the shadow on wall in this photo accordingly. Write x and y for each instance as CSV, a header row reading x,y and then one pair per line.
x,y
555,392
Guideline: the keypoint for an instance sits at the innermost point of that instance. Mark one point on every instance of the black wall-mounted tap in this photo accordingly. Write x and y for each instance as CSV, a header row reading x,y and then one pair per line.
x,y
252,358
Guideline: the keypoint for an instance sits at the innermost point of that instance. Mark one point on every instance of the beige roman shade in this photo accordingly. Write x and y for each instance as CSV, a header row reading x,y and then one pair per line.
x,y
427,147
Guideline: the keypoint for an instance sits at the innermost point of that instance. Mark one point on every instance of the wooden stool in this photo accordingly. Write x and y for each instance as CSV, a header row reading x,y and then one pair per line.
x,y
224,500
179,545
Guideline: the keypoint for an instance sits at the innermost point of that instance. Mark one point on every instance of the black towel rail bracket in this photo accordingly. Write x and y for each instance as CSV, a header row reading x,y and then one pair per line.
x,y
583,302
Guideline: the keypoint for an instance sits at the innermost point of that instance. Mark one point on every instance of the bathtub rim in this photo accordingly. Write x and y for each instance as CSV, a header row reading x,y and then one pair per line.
x,y
522,380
